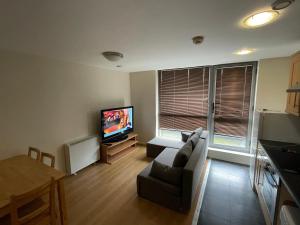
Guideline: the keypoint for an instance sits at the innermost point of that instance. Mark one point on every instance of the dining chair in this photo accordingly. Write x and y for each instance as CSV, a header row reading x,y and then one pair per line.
x,y
29,209
51,158
34,153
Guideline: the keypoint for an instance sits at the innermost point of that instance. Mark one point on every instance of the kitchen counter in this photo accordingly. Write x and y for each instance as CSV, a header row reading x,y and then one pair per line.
x,y
285,157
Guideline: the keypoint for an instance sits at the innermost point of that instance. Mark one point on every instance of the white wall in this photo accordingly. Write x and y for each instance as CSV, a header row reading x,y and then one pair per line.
x,y
272,82
46,102
143,98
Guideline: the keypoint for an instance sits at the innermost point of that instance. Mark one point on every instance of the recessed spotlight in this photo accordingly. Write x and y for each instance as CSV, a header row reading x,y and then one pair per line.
x,y
260,19
119,66
281,4
244,51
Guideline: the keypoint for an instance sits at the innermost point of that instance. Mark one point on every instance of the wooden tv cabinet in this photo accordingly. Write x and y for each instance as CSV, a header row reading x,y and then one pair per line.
x,y
111,152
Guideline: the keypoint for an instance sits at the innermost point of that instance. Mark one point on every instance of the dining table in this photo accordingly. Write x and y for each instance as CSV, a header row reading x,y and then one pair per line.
x,y
20,174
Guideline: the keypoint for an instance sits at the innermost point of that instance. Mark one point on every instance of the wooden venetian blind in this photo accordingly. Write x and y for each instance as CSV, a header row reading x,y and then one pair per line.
x,y
183,98
232,101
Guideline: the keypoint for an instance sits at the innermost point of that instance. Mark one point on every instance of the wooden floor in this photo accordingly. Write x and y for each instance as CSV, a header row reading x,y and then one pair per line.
x,y
106,194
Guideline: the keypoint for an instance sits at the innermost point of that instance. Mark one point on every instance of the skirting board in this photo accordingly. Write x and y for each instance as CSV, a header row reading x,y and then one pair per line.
x,y
229,156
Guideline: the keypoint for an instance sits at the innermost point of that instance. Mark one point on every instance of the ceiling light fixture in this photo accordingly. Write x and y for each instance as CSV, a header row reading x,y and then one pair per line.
x,y
113,56
281,4
197,40
260,19
244,51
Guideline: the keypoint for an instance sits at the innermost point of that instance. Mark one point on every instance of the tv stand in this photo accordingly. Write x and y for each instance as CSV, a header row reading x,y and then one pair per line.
x,y
111,152
116,139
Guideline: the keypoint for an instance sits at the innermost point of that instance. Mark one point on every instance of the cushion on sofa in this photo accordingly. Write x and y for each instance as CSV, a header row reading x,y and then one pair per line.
x,y
171,175
204,134
199,130
185,136
183,155
194,139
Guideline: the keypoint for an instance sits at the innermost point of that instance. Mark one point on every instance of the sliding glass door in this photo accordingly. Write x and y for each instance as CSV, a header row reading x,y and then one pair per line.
x,y
232,92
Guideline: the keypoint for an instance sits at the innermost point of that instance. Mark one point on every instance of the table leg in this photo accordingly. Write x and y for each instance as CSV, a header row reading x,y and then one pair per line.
x,y
62,202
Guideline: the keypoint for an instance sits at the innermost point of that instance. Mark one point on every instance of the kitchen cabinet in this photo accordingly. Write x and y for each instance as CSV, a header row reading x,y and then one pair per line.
x,y
259,168
266,197
293,99
277,177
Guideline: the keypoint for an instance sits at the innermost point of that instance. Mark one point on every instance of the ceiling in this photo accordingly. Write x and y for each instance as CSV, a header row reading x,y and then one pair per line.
x,y
152,34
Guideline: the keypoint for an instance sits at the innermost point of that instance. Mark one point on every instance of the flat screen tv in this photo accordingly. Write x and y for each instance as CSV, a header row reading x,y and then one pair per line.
x,y
116,123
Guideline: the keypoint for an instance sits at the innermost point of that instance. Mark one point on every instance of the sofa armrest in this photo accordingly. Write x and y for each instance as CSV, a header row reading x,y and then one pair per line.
x,y
153,184
158,191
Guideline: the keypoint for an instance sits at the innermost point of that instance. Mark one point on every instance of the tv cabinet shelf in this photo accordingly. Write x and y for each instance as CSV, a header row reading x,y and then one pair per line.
x,y
121,147
111,152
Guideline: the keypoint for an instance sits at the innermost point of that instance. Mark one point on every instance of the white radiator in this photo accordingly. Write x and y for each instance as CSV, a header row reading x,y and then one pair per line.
x,y
81,153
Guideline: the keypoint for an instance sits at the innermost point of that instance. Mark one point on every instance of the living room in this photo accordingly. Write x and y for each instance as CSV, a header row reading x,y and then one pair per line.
x,y
209,82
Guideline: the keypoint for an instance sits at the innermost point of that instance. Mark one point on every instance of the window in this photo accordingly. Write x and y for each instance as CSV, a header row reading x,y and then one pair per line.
x,y
183,98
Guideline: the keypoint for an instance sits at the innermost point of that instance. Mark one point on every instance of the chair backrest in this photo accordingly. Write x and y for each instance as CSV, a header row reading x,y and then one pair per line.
x,y
47,208
50,157
31,152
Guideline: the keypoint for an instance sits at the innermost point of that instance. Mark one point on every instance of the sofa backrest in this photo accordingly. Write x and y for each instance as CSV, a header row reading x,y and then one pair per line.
x,y
193,169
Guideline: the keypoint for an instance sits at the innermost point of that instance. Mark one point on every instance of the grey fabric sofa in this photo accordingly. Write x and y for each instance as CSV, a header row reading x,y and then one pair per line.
x,y
175,197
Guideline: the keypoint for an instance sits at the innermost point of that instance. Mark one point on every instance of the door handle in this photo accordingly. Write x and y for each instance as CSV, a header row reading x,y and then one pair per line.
x,y
270,179
213,107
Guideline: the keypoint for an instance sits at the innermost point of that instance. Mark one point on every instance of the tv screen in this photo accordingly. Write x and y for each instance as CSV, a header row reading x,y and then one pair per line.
x,y
116,122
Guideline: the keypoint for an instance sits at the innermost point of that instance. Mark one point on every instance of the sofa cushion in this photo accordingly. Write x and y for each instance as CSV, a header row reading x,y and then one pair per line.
x,y
194,139
204,135
199,130
171,175
185,136
183,155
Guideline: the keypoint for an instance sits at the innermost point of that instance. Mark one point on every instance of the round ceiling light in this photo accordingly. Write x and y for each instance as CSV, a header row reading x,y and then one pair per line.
x,y
113,56
260,19
244,51
197,40
281,4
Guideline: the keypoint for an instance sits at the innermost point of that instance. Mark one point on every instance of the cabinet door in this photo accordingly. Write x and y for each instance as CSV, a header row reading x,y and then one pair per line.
x,y
293,100
289,105
293,103
259,169
295,71
297,104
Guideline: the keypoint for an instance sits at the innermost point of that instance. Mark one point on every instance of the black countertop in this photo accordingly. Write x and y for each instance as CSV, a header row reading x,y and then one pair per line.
x,y
285,156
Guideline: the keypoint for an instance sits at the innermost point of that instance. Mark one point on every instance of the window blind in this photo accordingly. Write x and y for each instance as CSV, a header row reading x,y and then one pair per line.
x,y
232,100
183,98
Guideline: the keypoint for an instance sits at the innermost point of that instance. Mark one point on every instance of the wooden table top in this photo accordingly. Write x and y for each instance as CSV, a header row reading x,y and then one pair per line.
x,y
20,174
